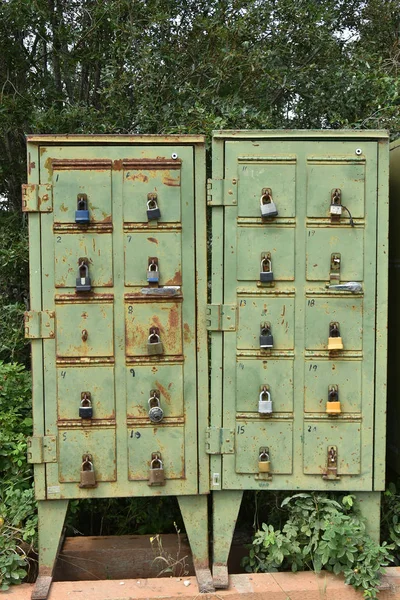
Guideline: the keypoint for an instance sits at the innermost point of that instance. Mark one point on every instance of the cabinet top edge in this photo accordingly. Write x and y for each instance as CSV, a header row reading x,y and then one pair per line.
x,y
114,139
284,134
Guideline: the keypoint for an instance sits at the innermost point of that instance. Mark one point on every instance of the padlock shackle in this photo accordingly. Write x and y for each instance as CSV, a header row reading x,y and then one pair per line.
x,y
269,264
154,399
157,460
87,400
153,266
264,455
153,203
153,335
266,392
266,196
84,465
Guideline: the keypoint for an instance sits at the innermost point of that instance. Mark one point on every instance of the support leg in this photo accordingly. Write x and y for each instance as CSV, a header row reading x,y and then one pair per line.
x,y
51,521
195,516
370,506
226,505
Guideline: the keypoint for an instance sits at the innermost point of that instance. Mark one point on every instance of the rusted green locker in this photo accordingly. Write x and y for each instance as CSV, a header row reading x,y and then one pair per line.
x,y
298,318
119,351
393,420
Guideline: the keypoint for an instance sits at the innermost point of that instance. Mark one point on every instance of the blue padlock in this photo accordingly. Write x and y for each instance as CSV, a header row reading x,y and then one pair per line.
x,y
82,213
153,274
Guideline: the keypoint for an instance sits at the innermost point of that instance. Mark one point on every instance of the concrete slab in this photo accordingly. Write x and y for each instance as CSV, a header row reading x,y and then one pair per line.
x,y
256,586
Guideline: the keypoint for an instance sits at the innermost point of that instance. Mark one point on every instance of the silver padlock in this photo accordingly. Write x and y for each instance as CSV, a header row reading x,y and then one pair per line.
x,y
153,275
156,473
267,205
266,273
83,282
265,406
154,343
156,413
153,212
335,208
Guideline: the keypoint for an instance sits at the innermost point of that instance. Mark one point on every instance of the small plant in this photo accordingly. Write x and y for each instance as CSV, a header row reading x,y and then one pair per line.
x,y
321,532
167,564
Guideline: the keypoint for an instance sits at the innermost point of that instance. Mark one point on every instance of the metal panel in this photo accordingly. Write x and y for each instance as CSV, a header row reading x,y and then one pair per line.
x,y
99,443
98,381
305,169
71,247
318,436
164,247
169,441
273,434
166,379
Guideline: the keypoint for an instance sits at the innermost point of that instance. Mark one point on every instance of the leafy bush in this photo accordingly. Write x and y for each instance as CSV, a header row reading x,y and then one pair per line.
x,y
18,516
321,533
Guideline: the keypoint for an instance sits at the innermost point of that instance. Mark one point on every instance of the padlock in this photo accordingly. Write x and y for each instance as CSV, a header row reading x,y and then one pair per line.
x,y
86,408
266,273
83,283
153,212
335,208
88,477
265,406
156,413
153,274
266,338
156,473
333,405
82,213
334,340
264,463
267,206
154,344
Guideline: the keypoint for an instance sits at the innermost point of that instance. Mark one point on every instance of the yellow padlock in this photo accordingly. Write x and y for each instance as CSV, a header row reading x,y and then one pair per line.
x,y
334,340
264,464
333,405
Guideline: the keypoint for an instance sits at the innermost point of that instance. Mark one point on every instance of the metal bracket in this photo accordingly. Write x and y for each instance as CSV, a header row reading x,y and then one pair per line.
x,y
334,274
42,449
219,440
39,324
221,317
37,197
222,192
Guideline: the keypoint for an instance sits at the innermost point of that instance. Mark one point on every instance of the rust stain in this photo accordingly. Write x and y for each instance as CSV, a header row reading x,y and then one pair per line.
x,y
164,393
187,334
176,280
43,150
63,208
171,181
173,318
48,165
117,164
153,240
137,176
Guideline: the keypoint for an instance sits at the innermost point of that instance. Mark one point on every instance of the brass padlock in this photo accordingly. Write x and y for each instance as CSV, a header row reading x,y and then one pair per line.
x,y
154,343
156,473
334,340
264,463
333,405
88,477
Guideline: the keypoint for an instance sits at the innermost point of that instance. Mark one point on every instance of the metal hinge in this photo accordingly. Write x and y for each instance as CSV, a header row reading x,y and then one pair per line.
x,y
42,449
220,441
39,324
37,197
222,192
221,317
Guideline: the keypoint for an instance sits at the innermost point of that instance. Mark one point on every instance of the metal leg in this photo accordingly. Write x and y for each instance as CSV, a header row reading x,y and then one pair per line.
x,y
195,516
226,507
370,506
51,521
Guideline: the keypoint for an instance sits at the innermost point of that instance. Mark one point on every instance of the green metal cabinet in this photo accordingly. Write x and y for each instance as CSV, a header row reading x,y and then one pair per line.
x,y
96,342
393,420
304,443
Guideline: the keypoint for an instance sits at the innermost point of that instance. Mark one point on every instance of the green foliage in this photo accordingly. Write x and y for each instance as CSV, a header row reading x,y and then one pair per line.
x,y
321,533
390,525
18,517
